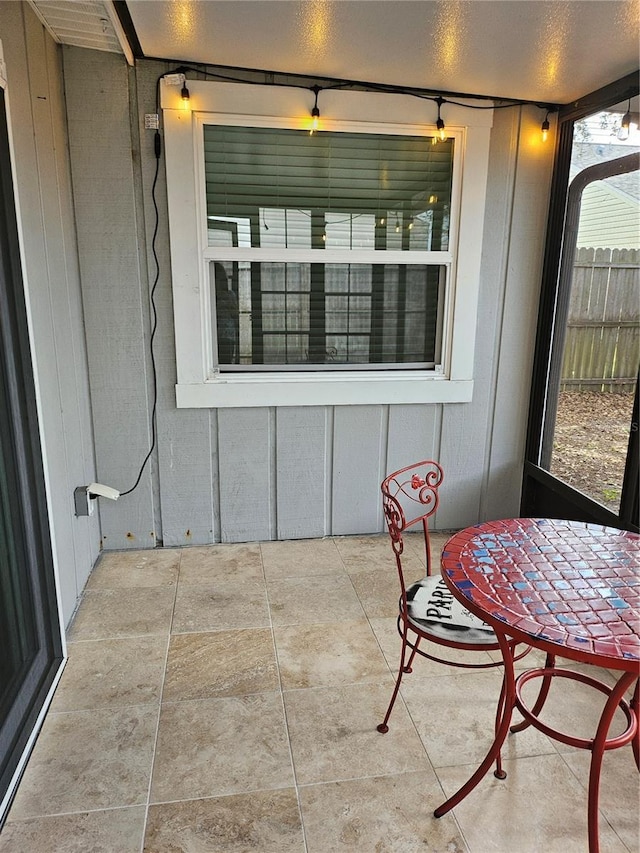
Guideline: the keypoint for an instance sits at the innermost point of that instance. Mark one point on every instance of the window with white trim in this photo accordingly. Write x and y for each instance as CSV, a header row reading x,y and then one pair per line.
x,y
324,268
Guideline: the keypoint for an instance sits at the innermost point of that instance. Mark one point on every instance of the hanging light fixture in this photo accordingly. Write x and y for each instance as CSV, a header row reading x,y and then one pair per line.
x,y
315,112
628,124
184,92
440,123
544,127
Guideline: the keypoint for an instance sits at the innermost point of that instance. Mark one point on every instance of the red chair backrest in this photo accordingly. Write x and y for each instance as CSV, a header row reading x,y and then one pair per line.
x,y
409,496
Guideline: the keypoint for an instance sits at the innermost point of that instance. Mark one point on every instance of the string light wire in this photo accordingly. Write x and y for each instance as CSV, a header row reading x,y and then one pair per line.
x,y
282,79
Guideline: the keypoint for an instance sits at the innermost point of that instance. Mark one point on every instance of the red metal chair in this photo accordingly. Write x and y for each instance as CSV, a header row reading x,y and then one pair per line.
x,y
428,611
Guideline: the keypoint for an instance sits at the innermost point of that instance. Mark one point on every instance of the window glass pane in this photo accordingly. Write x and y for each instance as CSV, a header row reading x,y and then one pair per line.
x,y
271,187
283,229
303,314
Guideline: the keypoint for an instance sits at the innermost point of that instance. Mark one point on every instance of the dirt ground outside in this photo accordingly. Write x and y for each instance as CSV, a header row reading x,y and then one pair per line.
x,y
590,443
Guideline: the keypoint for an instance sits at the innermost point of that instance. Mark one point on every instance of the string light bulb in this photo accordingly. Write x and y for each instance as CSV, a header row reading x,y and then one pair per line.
x,y
625,124
397,225
440,123
315,112
544,127
184,93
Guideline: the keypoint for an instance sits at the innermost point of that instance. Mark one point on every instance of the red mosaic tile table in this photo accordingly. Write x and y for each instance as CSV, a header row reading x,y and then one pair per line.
x,y
571,589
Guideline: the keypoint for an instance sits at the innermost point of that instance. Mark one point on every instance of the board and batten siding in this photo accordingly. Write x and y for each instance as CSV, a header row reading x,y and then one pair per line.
x,y
243,474
46,223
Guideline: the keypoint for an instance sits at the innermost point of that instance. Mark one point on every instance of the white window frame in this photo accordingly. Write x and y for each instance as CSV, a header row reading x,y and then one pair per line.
x,y
198,386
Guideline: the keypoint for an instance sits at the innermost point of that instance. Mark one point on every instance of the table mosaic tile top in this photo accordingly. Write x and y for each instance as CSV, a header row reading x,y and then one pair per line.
x,y
568,583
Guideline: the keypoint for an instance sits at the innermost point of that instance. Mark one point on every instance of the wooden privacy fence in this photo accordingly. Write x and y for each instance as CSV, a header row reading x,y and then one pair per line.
x,y
602,344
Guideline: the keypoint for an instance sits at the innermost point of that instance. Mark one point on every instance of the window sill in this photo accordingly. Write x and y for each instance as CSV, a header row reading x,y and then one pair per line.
x,y
343,389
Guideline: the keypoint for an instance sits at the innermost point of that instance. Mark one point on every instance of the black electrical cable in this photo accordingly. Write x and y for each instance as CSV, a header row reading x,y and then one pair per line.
x,y
157,143
157,147
286,79
384,88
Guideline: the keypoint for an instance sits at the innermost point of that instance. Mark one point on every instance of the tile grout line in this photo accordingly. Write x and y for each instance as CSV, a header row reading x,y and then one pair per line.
x,y
284,708
155,739
48,815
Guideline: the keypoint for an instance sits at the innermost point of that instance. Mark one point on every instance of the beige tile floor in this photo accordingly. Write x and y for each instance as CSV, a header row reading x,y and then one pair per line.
x,y
224,699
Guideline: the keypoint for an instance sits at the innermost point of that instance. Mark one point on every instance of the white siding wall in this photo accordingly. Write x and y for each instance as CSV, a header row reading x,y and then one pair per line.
x,y
266,473
46,222
608,220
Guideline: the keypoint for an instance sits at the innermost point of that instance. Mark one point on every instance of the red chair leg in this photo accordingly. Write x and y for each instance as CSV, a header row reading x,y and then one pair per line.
x,y
383,728
409,664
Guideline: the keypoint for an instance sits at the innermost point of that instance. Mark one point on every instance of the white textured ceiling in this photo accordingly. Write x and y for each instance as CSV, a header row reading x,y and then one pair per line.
x,y
552,52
